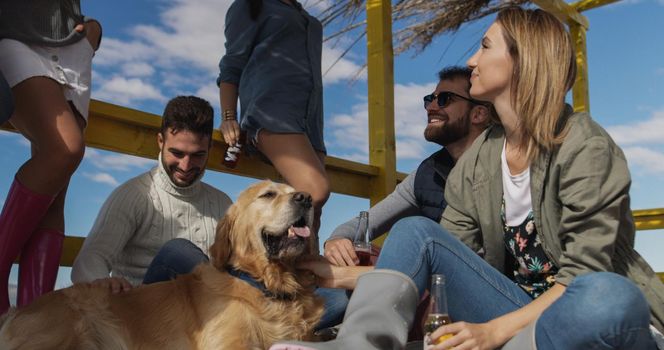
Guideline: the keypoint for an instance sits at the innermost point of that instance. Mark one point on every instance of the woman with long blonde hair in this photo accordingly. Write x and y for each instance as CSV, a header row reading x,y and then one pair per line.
x,y
537,240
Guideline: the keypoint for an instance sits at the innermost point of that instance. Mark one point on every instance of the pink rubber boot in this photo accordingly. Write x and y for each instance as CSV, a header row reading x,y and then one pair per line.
x,y
38,268
20,216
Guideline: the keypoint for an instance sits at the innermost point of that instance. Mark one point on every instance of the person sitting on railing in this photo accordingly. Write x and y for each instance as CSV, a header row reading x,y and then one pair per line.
x,y
454,121
537,239
273,65
170,201
46,50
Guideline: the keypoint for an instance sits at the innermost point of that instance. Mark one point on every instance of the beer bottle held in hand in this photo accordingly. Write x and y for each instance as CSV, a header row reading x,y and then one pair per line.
x,y
438,315
233,152
362,242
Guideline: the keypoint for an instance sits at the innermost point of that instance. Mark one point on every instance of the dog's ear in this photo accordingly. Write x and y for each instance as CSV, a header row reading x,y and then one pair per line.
x,y
220,251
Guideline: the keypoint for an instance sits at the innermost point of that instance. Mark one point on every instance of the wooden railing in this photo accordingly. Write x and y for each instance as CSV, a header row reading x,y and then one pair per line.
x,y
124,130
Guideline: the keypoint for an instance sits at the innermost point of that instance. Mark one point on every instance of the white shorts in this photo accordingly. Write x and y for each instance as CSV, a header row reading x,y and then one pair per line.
x,y
70,66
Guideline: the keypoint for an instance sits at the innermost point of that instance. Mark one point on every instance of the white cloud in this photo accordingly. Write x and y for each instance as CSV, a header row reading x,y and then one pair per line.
x,y
336,70
114,52
117,162
650,161
104,178
181,54
138,69
190,31
316,6
643,132
210,92
641,141
349,132
123,91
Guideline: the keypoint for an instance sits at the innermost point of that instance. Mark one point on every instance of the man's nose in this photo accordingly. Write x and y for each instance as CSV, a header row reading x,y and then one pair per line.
x,y
433,106
185,163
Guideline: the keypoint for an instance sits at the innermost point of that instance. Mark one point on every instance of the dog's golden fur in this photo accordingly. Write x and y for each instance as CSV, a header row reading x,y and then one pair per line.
x,y
207,309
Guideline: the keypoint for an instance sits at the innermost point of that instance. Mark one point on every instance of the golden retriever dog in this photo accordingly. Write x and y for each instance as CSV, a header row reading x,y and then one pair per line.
x,y
262,235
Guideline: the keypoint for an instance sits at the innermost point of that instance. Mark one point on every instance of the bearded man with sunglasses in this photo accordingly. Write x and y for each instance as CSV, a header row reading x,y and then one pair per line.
x,y
454,121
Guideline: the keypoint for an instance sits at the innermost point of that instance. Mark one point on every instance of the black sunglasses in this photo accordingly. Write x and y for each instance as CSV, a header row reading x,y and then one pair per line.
x,y
444,98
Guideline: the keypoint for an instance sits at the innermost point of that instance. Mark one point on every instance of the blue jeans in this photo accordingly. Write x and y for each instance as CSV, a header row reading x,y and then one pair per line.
x,y
597,311
179,256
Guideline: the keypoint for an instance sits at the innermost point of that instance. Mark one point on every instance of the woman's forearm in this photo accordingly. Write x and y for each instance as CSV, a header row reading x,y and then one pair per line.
x,y
228,97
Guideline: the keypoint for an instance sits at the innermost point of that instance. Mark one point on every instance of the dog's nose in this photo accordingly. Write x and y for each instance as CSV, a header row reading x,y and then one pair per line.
x,y
302,198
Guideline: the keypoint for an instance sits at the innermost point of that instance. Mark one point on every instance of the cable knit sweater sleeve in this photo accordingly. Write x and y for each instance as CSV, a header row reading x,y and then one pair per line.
x,y
115,225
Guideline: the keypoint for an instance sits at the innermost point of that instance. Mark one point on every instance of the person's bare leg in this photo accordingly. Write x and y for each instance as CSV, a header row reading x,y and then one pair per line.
x,y
55,218
300,166
44,117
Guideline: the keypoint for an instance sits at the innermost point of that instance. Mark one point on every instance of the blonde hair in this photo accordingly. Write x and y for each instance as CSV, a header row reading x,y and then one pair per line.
x,y
544,70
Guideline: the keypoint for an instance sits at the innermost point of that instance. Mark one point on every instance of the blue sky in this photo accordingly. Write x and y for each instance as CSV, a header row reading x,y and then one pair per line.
x,y
156,49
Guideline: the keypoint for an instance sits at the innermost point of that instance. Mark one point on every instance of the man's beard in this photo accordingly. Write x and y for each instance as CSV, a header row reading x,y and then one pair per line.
x,y
449,132
170,171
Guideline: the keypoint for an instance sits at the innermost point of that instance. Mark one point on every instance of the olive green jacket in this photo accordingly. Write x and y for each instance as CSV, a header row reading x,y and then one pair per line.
x,y
580,196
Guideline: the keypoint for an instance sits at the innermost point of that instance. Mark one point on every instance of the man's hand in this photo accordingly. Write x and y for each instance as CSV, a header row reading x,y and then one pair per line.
x,y
340,252
321,268
332,276
114,284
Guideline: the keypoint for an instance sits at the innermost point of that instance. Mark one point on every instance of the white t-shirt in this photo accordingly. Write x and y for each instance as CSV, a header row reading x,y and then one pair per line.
x,y
516,193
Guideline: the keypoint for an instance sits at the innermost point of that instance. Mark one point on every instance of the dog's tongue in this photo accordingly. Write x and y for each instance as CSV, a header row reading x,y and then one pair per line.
x,y
300,231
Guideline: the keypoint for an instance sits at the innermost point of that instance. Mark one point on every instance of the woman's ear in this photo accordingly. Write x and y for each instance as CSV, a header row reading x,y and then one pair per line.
x,y
220,251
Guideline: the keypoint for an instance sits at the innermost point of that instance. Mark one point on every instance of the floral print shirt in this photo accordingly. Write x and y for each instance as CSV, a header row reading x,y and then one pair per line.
x,y
533,271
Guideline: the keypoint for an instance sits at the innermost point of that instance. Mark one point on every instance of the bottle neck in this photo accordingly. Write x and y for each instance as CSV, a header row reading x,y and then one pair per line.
x,y
438,298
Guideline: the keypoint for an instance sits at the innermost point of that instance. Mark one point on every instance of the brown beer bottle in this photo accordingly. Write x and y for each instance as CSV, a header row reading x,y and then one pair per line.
x,y
438,315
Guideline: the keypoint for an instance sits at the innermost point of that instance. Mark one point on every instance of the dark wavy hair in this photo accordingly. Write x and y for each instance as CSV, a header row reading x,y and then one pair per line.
x,y
188,113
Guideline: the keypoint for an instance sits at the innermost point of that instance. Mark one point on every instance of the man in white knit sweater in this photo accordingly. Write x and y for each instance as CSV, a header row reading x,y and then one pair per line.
x,y
151,209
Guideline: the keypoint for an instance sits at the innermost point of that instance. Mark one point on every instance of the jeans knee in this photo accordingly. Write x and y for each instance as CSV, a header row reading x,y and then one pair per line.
x,y
603,298
414,232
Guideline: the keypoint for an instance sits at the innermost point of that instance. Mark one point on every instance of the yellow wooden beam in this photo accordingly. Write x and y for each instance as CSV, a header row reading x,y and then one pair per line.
x,y
380,62
649,219
563,11
580,88
585,5
129,131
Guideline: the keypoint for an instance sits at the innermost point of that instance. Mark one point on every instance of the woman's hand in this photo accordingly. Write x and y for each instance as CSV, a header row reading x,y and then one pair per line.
x,y
230,129
466,336
92,32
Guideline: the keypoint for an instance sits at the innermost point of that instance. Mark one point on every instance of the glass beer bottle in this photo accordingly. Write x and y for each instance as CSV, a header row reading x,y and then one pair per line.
x,y
438,315
232,155
362,241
